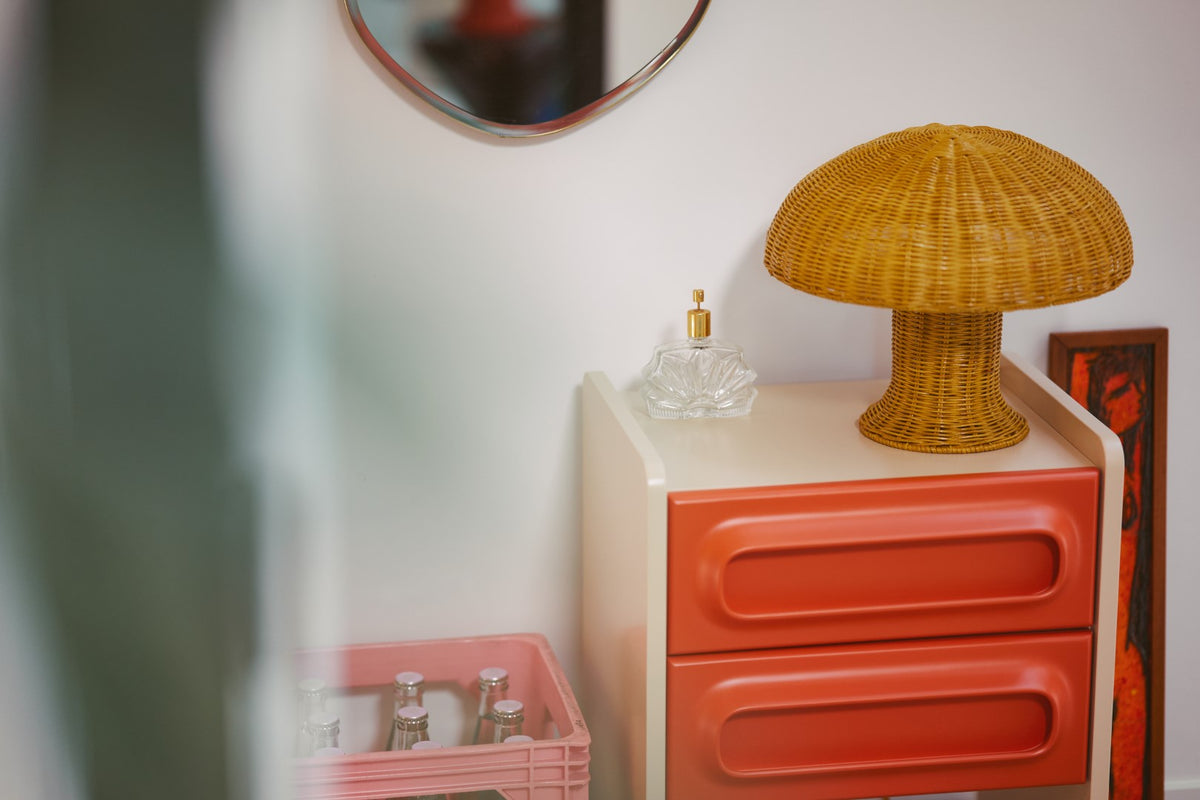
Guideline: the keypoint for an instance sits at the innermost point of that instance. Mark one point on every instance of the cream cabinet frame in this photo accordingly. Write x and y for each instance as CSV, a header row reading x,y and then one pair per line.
x,y
797,434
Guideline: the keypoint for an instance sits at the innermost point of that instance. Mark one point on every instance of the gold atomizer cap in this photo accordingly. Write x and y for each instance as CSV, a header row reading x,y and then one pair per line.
x,y
698,318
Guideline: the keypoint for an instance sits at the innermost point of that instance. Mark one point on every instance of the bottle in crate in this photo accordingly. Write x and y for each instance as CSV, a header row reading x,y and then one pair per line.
x,y
329,752
493,687
408,689
324,728
509,718
505,722
427,744
310,699
410,727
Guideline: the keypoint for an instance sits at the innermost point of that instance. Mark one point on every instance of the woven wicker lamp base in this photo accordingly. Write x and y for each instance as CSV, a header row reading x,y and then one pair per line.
x,y
944,396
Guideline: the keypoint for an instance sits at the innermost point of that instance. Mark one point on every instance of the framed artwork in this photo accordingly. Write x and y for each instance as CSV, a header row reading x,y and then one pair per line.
x,y
1121,377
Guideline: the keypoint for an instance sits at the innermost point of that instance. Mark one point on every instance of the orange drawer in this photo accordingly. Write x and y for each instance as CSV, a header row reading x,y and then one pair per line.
x,y
869,720
879,560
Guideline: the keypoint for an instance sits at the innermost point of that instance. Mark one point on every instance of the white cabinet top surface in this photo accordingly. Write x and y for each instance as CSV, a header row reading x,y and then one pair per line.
x,y
808,433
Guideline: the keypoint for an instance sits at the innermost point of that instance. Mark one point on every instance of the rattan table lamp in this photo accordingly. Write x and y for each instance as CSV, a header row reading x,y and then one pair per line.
x,y
949,226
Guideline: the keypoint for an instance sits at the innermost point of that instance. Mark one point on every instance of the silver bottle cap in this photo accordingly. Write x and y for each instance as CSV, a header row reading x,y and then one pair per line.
x,y
408,680
329,752
311,686
427,745
412,717
508,710
518,738
324,721
493,676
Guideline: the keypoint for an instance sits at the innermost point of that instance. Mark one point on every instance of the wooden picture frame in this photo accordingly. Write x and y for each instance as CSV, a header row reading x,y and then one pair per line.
x,y
1121,377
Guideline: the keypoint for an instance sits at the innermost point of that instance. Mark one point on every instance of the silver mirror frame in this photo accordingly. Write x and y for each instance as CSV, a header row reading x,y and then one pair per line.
x,y
593,109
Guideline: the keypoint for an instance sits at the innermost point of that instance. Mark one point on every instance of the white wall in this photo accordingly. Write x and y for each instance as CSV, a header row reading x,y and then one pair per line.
x,y
465,283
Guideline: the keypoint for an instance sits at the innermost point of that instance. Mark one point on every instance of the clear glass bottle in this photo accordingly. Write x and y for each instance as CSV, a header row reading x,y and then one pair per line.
x,y
427,744
493,686
412,726
518,738
329,752
509,716
324,728
698,376
310,699
408,689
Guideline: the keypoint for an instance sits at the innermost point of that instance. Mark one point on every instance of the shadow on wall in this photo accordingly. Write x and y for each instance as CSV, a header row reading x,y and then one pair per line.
x,y
790,336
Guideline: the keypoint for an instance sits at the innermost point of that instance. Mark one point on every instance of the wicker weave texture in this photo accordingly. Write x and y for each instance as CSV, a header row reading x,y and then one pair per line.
x,y
950,219
944,395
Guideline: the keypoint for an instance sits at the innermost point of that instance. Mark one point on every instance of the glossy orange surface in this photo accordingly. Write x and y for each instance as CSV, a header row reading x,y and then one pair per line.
x,y
868,720
881,560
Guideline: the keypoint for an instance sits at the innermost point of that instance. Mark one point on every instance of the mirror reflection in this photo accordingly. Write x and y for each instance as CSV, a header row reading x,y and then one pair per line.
x,y
524,67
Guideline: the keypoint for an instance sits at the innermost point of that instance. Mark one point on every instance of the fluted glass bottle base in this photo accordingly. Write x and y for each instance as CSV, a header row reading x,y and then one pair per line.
x,y
697,378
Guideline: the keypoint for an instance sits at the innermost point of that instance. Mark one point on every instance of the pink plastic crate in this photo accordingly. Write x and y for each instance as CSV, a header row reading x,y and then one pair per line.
x,y
553,766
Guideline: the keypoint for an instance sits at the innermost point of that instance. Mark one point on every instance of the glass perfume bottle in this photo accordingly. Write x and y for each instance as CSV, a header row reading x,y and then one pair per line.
x,y
698,376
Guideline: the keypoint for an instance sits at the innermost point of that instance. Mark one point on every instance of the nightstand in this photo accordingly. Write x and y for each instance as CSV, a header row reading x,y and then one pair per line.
x,y
776,607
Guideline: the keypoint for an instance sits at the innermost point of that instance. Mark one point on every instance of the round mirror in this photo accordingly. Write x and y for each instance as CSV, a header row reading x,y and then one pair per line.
x,y
524,67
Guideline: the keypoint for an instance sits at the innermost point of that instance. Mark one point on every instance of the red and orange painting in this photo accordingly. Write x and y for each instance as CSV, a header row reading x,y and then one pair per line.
x,y
1120,376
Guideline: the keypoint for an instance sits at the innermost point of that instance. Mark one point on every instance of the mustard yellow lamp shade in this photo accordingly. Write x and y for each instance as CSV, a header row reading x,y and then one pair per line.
x,y
949,226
